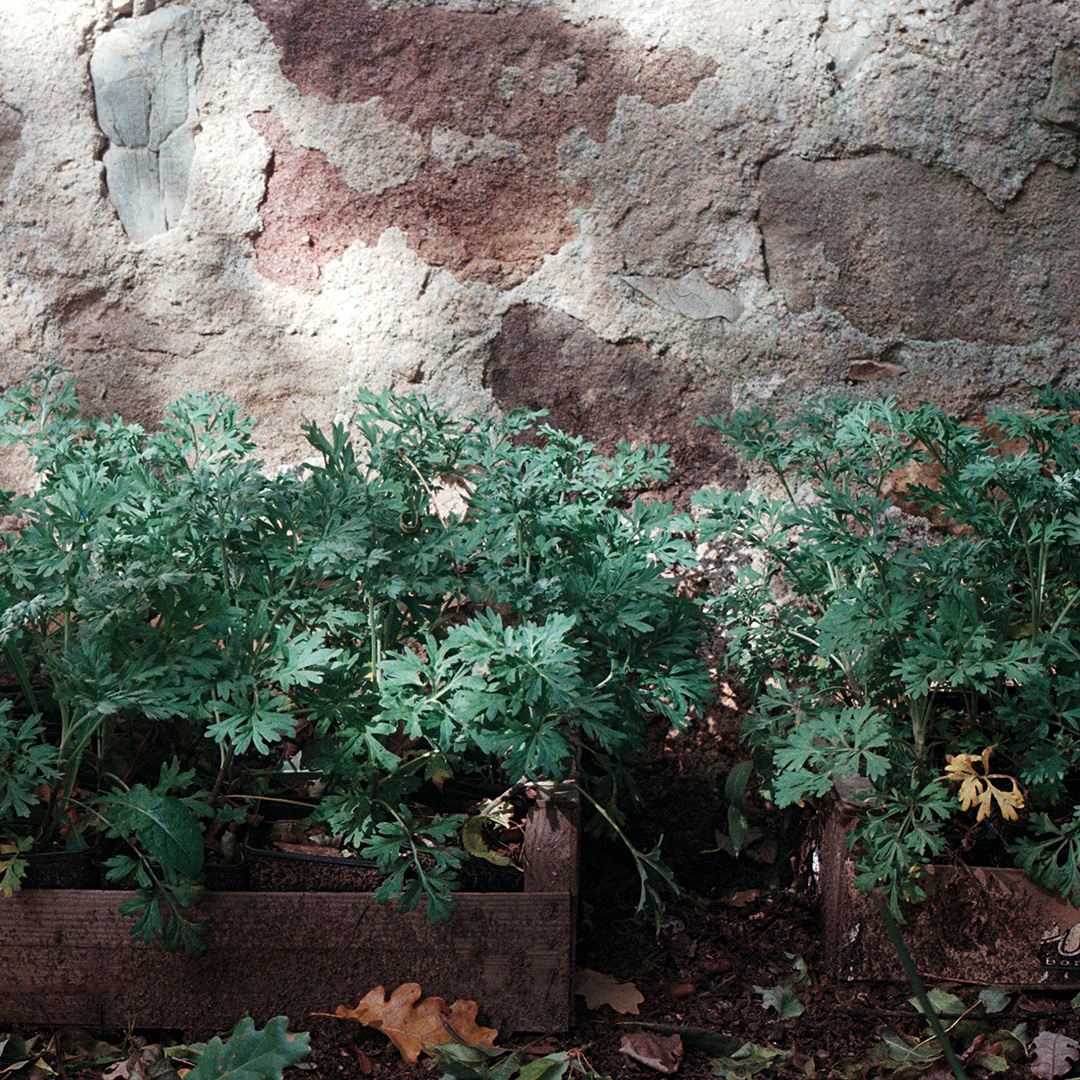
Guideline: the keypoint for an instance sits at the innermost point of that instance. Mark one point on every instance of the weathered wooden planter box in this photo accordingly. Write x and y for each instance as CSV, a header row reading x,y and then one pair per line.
x,y
67,956
982,925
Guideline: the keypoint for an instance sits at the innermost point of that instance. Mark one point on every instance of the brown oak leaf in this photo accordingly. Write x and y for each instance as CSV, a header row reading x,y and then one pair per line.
x,y
659,1052
599,989
413,1024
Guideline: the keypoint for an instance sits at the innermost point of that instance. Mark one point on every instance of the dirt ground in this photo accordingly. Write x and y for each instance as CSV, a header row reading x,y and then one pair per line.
x,y
736,925
738,928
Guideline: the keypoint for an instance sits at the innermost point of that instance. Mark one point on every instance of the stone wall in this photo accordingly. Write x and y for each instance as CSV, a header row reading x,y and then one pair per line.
x,y
631,213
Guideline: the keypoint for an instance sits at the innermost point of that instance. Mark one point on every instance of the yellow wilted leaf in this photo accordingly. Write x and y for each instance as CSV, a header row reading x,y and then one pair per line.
x,y
977,787
413,1024
472,839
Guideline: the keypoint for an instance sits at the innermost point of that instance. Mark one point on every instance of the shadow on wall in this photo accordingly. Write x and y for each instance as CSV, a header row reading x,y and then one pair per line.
x,y
610,393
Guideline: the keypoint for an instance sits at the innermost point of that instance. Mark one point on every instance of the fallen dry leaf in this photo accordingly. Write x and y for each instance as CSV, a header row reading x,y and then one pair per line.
x,y
1054,1054
741,899
413,1025
659,1052
598,989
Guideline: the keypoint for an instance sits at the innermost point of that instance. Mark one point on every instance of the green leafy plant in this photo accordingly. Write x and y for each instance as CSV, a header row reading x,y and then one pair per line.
x,y
890,637
435,598
136,620
532,642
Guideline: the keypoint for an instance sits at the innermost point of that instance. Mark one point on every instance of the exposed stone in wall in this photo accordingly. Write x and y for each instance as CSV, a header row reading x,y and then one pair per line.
x,y
954,83
1062,105
609,393
855,30
11,146
692,295
144,72
905,250
492,95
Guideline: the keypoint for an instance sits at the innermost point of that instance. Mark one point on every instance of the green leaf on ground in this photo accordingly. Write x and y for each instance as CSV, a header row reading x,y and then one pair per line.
x,y
781,998
552,1067
749,1060
251,1054
944,1003
994,1000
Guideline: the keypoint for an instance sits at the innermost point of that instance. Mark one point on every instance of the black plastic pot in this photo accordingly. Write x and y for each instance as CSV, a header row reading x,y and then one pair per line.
x,y
61,869
287,807
271,870
226,876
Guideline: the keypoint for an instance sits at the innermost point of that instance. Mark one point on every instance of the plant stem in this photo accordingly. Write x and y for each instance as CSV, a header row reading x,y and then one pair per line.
x,y
226,763
917,986
19,670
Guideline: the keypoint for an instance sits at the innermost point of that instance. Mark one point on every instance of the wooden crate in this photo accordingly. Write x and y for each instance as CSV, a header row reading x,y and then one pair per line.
x,y
980,925
67,956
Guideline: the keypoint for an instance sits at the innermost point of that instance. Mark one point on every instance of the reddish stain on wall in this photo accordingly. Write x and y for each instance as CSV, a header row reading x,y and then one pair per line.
x,y
528,77
310,215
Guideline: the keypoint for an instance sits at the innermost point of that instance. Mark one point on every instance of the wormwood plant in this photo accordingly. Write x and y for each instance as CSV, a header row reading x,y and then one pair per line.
x,y
897,656
554,632
175,623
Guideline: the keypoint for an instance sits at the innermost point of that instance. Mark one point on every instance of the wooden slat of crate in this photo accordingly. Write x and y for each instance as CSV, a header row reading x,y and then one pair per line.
x,y
982,925
67,956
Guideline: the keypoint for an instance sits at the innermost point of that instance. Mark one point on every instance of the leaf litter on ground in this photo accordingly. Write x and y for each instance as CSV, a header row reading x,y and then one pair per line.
x,y
1054,1055
782,997
459,1061
978,1040
661,1053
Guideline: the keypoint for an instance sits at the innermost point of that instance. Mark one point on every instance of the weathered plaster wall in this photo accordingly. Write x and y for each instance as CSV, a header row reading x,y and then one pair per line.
x,y
631,213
